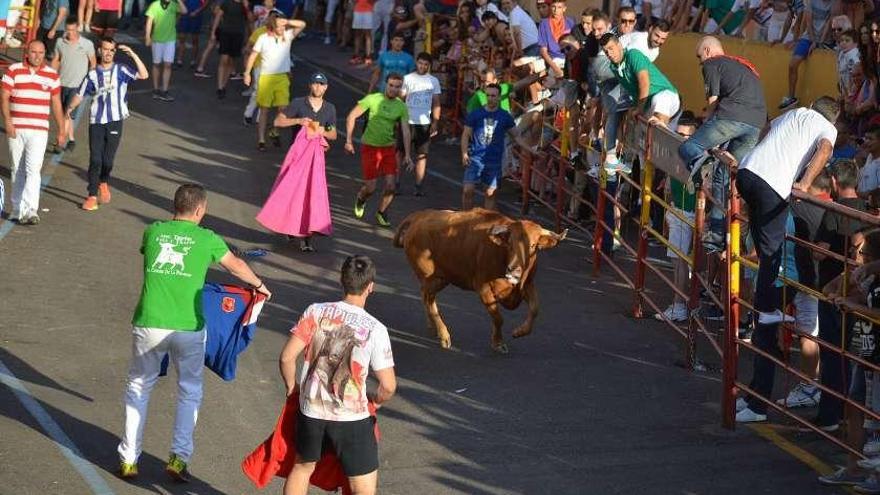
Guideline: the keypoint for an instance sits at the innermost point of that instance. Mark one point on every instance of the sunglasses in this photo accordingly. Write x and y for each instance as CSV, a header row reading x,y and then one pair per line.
x,y
627,21
875,31
837,30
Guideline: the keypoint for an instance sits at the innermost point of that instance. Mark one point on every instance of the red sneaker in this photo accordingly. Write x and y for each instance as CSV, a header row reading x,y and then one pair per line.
x,y
356,60
90,204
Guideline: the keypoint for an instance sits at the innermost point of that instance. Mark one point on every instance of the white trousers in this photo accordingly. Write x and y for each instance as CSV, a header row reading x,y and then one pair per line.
x,y
251,110
149,346
27,149
382,10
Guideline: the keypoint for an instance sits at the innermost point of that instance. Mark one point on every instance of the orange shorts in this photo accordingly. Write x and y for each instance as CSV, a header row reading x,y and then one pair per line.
x,y
378,161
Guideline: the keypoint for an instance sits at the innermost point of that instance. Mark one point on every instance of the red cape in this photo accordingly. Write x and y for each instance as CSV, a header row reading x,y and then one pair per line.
x,y
276,455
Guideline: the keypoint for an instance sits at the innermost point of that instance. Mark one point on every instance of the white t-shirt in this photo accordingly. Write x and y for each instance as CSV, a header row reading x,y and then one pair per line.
x,y
420,91
527,28
846,60
638,40
869,177
780,158
274,53
343,342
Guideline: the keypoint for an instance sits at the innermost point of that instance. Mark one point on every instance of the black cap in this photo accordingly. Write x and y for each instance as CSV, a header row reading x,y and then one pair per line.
x,y
319,78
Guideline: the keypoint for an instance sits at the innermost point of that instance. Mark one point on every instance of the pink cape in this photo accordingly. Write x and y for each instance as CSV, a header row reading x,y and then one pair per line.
x,y
298,204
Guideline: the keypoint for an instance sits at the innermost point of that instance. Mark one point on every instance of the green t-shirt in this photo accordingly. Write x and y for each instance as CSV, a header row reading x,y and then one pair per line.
x,y
383,118
164,21
627,73
719,8
478,99
683,199
177,254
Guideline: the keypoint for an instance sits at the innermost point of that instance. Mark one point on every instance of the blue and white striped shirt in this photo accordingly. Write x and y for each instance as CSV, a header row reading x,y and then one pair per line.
x,y
108,88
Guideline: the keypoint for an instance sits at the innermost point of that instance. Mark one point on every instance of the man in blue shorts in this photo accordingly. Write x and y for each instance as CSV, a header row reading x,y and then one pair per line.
x,y
482,146
190,25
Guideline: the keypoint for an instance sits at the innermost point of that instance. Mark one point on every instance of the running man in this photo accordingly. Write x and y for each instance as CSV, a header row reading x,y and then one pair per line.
x,y
482,146
378,154
421,91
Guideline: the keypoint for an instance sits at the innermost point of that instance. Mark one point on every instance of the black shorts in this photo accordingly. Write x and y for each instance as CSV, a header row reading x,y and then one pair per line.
x,y
230,43
105,19
421,139
353,441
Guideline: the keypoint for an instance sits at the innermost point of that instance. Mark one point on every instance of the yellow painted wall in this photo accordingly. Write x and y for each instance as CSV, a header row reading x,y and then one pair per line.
x,y
679,62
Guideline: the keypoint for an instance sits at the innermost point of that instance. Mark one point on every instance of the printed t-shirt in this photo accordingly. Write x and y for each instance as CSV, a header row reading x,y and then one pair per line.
x,y
628,70
274,53
420,91
164,20
384,114
489,129
177,255
234,17
74,60
718,9
863,340
300,107
780,158
389,62
343,342
479,100
846,60
739,91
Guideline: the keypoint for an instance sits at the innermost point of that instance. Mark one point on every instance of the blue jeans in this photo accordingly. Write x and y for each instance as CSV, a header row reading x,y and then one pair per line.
x,y
615,101
741,138
127,7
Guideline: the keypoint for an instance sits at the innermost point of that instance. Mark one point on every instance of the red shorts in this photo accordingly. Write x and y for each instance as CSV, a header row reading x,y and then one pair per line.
x,y
378,161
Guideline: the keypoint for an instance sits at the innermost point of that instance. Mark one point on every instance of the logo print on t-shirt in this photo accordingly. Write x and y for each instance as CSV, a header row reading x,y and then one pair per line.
x,y
170,260
488,129
331,365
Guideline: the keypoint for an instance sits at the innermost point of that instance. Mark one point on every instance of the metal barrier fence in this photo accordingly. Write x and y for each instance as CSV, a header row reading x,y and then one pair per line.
x,y
657,149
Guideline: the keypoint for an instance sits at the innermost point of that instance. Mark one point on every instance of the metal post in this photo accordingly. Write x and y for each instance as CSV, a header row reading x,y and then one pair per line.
x,y
731,351
699,261
599,232
562,167
644,220
525,161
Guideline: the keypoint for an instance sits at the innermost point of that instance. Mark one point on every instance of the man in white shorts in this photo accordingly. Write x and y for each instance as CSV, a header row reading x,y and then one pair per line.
x,y
161,35
656,97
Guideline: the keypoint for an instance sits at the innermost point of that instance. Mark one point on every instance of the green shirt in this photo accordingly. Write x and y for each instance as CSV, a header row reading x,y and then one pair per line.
x,y
383,118
720,8
478,99
683,199
627,73
177,254
164,21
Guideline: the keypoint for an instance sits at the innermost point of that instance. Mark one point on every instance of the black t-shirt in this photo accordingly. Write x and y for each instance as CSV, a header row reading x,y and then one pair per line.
x,y
739,91
862,340
580,35
807,221
300,107
403,12
835,230
591,46
234,17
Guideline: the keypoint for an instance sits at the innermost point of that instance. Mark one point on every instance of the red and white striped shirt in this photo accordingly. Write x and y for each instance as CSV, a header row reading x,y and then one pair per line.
x,y
30,94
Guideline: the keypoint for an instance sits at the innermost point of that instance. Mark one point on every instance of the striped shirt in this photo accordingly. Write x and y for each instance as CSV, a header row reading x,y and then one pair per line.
x,y
30,94
108,88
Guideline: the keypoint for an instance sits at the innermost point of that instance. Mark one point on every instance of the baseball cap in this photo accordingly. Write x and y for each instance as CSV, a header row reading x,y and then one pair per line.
x,y
540,2
319,78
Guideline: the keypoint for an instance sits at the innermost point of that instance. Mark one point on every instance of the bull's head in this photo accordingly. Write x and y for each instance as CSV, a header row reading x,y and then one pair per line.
x,y
523,239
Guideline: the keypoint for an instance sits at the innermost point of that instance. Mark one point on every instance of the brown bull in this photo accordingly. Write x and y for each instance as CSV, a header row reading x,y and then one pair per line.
x,y
479,250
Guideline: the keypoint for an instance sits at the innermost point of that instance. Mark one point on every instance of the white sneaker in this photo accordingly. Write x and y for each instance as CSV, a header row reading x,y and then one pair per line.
x,y
749,416
327,40
872,445
741,403
774,317
803,395
675,313
12,42
870,463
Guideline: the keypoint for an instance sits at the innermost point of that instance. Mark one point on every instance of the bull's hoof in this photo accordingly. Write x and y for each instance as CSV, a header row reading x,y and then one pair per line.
x,y
445,342
500,348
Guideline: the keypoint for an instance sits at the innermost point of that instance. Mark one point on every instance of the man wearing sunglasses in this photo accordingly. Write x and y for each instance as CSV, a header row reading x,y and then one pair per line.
x,y
626,21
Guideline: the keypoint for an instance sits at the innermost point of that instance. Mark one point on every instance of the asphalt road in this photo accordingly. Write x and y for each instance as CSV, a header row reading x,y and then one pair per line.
x,y
590,403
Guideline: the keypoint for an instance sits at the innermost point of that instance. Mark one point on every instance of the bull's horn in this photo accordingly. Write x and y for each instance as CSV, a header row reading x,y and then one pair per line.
x,y
550,233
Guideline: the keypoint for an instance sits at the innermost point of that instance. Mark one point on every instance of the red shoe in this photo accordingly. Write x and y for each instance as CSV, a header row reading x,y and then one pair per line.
x,y
368,62
90,204
104,193
356,60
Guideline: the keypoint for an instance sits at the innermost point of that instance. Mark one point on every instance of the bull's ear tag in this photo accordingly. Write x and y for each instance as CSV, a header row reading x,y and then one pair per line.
x,y
499,234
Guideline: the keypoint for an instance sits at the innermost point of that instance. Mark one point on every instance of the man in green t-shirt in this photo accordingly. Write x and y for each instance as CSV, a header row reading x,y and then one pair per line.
x,y
161,35
487,77
657,97
168,320
378,150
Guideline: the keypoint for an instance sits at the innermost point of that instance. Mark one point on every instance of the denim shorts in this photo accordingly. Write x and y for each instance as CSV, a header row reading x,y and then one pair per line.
x,y
479,172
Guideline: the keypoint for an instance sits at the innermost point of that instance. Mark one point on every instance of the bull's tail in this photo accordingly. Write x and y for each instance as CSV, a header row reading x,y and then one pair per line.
x,y
401,231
